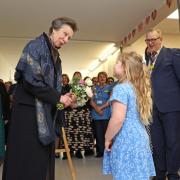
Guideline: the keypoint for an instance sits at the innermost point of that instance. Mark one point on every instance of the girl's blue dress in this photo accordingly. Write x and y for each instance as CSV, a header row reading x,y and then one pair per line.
x,y
130,157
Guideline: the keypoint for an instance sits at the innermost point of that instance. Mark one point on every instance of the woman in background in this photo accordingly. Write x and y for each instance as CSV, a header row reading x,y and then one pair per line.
x,y
63,123
2,138
79,128
101,110
2,118
110,80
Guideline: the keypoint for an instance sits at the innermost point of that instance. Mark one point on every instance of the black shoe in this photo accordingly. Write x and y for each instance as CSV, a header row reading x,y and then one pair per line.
x,y
57,156
99,154
78,154
88,152
64,156
72,153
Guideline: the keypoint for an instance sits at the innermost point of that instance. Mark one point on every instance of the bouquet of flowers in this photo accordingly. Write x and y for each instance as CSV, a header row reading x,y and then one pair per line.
x,y
82,90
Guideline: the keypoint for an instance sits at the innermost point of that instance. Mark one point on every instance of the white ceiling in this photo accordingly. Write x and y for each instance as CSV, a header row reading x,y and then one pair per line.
x,y
100,22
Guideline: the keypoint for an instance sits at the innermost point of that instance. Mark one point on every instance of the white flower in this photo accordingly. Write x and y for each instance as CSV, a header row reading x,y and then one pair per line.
x,y
78,87
88,82
89,91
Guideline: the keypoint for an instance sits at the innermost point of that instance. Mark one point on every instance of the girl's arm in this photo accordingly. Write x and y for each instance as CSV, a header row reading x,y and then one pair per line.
x,y
115,123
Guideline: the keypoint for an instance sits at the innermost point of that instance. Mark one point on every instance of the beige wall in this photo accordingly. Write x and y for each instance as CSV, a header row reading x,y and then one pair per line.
x,y
10,51
107,66
169,40
76,56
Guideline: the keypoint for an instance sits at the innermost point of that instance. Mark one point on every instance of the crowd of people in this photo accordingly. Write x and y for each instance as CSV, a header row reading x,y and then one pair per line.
x,y
85,125
120,122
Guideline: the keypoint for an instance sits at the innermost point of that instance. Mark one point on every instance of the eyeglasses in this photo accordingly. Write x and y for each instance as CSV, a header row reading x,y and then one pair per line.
x,y
151,40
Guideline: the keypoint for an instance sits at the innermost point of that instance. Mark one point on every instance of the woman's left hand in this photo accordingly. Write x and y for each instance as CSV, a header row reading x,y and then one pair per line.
x,y
73,97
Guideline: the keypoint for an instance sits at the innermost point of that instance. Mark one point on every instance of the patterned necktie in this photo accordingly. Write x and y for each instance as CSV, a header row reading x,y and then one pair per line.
x,y
153,57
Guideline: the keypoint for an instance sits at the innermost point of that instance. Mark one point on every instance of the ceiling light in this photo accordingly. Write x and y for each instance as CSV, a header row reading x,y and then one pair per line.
x,y
174,15
109,51
94,65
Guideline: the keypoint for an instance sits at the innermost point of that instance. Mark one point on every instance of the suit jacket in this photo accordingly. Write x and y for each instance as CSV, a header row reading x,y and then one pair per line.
x,y
165,79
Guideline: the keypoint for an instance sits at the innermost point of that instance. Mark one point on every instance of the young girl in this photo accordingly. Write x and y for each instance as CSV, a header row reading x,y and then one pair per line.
x,y
127,153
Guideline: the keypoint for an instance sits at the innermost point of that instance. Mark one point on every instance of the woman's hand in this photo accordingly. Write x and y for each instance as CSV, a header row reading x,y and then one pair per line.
x,y
66,100
74,98
99,110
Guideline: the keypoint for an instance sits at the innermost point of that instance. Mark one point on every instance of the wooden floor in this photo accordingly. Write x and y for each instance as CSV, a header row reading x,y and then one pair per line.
x,y
89,168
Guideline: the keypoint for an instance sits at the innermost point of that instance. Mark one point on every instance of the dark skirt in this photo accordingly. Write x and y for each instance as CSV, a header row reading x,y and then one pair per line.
x,y
79,129
26,158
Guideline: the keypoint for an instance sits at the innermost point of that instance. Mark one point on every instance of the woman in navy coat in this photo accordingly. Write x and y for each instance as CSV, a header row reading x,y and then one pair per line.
x,y
30,146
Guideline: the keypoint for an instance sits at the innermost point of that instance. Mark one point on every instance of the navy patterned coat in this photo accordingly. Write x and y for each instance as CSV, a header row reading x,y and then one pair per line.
x,y
38,78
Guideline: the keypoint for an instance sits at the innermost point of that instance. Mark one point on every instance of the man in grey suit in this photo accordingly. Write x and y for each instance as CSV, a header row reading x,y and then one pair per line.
x,y
165,129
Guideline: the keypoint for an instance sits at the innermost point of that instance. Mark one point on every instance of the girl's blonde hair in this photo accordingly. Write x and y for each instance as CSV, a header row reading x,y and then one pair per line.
x,y
137,73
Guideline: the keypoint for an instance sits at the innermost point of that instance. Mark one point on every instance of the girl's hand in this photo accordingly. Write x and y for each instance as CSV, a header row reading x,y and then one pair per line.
x,y
108,145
